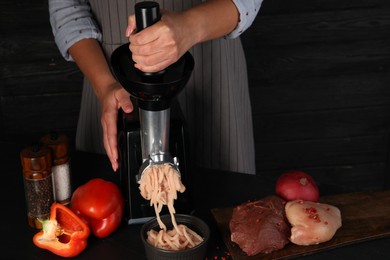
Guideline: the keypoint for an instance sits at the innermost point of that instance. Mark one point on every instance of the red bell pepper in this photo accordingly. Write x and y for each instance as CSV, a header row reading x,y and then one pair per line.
x,y
100,204
64,234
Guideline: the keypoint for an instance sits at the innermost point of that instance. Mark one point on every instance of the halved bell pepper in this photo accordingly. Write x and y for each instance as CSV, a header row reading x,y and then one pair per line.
x,y
64,234
100,204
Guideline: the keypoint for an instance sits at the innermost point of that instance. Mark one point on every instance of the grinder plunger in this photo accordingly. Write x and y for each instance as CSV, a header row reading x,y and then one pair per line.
x,y
153,92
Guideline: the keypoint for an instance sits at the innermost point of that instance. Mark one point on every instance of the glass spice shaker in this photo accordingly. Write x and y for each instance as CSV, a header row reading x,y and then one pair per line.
x,y
59,146
38,183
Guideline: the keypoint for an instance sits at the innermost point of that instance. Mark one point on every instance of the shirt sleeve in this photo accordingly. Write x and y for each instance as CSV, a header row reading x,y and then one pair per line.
x,y
71,21
248,10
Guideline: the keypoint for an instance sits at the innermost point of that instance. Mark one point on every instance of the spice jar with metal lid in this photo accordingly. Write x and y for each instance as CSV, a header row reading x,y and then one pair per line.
x,y
38,184
59,146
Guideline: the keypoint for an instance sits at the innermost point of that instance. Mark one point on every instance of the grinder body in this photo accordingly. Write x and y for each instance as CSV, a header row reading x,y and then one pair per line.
x,y
153,93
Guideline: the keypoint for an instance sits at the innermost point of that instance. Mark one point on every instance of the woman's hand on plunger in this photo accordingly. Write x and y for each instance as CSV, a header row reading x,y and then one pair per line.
x,y
160,45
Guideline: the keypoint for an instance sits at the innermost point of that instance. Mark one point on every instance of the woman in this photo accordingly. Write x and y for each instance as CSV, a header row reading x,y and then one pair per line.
x,y
215,101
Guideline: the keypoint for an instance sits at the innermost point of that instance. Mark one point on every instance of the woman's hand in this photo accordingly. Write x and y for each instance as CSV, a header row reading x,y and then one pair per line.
x,y
114,98
160,45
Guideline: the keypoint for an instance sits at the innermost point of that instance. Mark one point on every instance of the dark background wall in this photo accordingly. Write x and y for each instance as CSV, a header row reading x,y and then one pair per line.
x,y
319,74
39,90
320,83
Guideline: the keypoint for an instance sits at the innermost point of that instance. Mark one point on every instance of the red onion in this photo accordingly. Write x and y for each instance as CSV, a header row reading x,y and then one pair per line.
x,y
294,185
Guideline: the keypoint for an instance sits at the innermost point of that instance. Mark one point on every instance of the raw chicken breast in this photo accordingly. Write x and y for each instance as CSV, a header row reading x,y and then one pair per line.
x,y
312,222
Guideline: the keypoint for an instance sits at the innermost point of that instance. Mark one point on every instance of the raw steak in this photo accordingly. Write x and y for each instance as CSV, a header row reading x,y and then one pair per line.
x,y
260,226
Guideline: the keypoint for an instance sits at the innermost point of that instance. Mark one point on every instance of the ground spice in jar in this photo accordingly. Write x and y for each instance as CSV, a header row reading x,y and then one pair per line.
x,y
38,183
59,146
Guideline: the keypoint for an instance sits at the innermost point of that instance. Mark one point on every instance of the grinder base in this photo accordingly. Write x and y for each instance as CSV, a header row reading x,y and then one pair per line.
x,y
137,209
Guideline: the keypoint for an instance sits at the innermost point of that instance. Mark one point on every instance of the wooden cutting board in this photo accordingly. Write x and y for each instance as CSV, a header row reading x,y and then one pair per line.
x,y
365,216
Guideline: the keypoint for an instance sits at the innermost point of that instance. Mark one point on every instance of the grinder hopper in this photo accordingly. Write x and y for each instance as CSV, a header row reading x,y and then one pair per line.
x,y
153,93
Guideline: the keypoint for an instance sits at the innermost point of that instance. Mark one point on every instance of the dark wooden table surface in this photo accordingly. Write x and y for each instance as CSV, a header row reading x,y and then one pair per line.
x,y
212,189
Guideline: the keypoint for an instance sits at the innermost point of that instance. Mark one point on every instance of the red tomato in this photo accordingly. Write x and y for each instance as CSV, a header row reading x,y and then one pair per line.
x,y
100,204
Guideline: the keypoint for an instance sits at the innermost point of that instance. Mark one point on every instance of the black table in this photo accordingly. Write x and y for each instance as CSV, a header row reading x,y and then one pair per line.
x,y
212,189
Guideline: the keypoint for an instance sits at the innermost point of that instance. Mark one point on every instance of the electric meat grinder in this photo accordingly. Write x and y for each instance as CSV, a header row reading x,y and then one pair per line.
x,y
144,138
